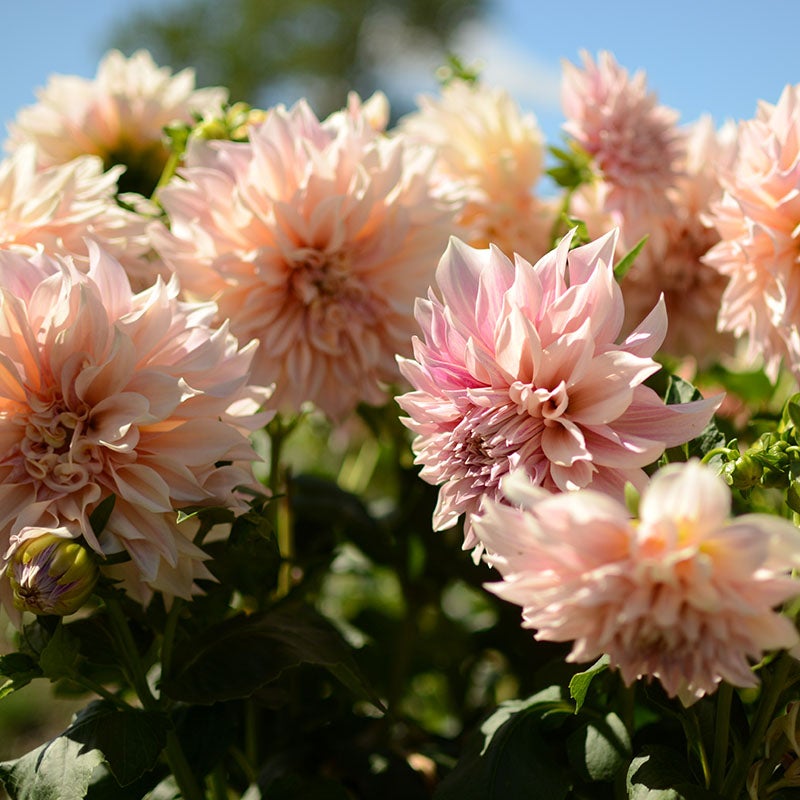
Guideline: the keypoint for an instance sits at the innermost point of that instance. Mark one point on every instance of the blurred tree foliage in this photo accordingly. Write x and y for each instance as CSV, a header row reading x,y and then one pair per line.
x,y
263,49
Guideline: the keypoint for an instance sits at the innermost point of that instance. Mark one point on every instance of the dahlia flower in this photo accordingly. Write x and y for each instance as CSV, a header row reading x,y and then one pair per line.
x,y
314,238
492,154
686,595
58,208
670,262
757,223
119,115
103,391
520,368
633,141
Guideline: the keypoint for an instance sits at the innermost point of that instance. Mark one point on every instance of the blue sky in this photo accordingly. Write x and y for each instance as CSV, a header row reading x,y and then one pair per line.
x,y
699,55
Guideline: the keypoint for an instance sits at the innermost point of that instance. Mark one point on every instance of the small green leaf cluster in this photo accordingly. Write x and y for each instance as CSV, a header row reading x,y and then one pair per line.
x,y
771,462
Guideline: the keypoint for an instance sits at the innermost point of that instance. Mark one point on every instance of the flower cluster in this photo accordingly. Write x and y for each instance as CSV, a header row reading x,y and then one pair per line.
x,y
185,283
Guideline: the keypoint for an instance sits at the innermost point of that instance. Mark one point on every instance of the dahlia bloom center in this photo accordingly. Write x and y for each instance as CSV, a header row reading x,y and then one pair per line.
x,y
548,404
59,446
332,297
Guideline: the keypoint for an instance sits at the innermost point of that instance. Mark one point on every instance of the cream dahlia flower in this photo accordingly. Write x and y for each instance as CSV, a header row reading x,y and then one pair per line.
x,y
520,367
757,220
492,154
685,595
59,208
314,238
103,391
633,141
119,115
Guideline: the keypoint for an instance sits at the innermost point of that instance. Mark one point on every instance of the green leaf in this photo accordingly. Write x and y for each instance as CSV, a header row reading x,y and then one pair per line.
x,y
753,387
60,656
16,670
98,519
580,682
239,656
130,739
660,773
711,437
599,749
793,497
626,262
792,411
58,770
512,753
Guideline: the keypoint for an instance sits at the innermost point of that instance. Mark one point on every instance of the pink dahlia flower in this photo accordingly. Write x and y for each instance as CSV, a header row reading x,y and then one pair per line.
x,y
103,391
685,595
314,238
492,154
119,115
58,208
520,368
634,142
671,261
757,220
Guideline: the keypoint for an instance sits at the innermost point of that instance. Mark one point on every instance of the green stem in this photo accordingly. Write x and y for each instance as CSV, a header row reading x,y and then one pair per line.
x,y
722,725
170,168
279,431
130,653
184,776
717,451
697,739
100,690
168,641
219,783
770,695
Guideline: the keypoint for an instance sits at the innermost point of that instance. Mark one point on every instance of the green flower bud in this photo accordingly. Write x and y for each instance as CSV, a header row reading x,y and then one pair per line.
x,y
51,574
742,473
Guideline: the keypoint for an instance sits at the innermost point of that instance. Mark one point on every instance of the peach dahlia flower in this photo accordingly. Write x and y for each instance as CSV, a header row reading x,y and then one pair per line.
x,y
103,391
315,238
685,595
520,367
58,208
634,142
757,220
493,154
119,115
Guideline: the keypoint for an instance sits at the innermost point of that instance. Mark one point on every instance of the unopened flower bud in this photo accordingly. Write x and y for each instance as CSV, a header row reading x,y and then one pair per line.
x,y
51,574
743,473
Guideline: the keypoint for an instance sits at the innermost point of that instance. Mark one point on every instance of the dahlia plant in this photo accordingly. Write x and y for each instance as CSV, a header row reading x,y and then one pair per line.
x,y
265,376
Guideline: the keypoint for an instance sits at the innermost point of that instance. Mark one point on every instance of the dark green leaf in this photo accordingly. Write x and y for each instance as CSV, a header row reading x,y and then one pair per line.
x,y
58,770
580,682
626,262
234,659
60,655
511,755
660,773
131,740
100,516
323,506
104,785
292,787
16,670
599,749
711,437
